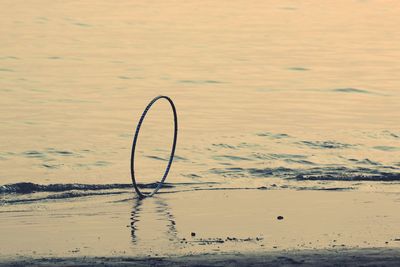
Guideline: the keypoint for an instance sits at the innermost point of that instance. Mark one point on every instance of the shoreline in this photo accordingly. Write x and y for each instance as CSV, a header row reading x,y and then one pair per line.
x,y
227,226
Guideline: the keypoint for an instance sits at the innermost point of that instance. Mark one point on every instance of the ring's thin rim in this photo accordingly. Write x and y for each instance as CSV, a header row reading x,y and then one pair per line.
x,y
171,158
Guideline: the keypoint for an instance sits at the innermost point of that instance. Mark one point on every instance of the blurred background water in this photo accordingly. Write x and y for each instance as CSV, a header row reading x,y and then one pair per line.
x,y
267,92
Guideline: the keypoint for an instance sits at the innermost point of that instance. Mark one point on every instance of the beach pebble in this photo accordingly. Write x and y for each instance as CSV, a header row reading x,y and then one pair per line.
x,y
280,217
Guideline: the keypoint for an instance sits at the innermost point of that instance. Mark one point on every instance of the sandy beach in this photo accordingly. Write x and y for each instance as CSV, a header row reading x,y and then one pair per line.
x,y
205,227
341,257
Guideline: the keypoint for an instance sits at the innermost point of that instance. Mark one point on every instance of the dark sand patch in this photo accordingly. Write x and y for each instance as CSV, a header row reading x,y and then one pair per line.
x,y
346,257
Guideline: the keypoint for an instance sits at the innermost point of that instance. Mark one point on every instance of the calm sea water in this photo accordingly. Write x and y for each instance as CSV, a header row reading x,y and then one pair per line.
x,y
287,93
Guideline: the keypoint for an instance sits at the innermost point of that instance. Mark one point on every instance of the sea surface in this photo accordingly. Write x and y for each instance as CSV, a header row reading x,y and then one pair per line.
x,y
269,94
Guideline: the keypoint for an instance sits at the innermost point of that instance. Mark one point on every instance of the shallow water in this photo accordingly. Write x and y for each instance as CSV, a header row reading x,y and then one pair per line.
x,y
286,93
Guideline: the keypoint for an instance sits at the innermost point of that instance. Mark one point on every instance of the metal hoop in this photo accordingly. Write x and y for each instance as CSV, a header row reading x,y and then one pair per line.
x,y
171,158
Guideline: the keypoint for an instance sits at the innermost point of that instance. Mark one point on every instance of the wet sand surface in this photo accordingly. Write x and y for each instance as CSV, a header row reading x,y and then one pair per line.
x,y
215,225
339,257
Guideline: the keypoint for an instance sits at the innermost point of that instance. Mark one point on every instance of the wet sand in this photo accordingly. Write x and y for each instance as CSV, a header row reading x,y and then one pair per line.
x,y
206,227
361,257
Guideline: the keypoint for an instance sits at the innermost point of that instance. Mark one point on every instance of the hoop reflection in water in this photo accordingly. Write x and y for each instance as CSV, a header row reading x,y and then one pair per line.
x,y
152,222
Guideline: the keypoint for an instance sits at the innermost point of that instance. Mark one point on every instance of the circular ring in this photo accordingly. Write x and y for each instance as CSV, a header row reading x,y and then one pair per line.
x,y
171,158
